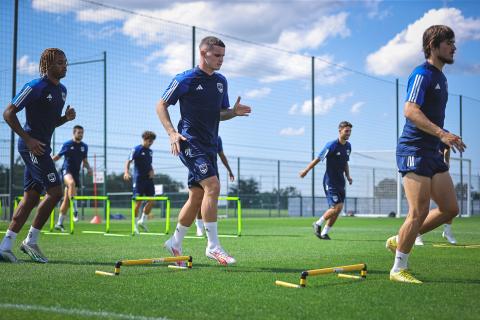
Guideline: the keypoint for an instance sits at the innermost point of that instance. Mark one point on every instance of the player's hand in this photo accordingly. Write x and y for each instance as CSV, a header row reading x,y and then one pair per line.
x,y
127,176
70,113
350,180
35,146
231,176
151,174
175,138
303,173
453,141
241,109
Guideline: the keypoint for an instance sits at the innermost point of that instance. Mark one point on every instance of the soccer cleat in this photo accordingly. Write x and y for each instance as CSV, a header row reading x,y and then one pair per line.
x,y
317,230
34,252
449,237
59,227
8,256
75,217
200,232
391,244
325,237
142,225
403,276
168,245
221,256
419,241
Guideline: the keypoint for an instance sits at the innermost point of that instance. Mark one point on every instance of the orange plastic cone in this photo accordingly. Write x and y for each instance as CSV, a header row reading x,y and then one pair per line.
x,y
96,220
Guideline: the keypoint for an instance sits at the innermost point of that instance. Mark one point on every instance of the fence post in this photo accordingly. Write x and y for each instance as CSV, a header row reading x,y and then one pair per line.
x,y
399,177
313,134
462,193
238,177
193,46
278,187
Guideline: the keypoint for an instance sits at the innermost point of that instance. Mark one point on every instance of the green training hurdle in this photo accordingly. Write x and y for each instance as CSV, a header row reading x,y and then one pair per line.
x,y
17,200
167,209
102,198
239,213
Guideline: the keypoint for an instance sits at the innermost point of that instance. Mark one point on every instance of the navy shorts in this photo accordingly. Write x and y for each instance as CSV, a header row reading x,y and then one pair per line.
x,y
144,188
75,177
40,172
201,165
334,195
426,166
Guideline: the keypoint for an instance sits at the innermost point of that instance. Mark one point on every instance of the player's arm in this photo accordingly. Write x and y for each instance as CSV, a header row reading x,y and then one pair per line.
x,y
347,173
227,166
238,109
87,166
174,136
68,116
310,166
413,112
126,172
56,157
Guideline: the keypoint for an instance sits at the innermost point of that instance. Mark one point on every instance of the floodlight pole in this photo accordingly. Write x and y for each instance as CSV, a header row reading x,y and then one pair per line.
x,y
193,46
461,158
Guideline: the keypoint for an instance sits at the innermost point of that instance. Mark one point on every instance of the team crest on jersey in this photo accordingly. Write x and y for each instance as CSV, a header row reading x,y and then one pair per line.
x,y
82,149
64,96
72,147
51,177
203,168
220,87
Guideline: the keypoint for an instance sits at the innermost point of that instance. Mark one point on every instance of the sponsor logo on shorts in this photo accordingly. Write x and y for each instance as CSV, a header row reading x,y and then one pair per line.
x,y
335,198
203,168
410,161
220,87
188,152
52,177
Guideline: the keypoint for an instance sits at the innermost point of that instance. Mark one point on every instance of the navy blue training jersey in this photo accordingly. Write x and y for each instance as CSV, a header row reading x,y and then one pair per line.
x,y
143,161
43,102
201,97
337,156
219,145
428,88
74,153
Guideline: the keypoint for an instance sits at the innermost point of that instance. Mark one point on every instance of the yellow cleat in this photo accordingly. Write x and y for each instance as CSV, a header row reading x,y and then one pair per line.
x,y
403,276
391,244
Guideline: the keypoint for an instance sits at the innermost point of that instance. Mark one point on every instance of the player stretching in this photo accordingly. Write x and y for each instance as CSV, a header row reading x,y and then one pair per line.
x,y
425,174
203,95
223,157
43,100
142,177
75,152
337,153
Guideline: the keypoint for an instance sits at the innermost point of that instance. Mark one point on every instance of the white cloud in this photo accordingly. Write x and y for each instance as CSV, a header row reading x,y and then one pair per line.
x,y
258,93
101,33
24,66
322,105
292,131
356,107
100,15
404,51
56,6
374,11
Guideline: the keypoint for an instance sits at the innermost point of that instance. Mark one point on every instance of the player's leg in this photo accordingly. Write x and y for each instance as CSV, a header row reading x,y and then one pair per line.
x,y
149,191
63,211
138,205
448,233
417,192
72,192
199,224
331,217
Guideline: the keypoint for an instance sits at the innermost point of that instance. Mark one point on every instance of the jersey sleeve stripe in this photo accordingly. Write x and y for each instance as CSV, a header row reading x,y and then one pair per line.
x,y
17,102
416,88
169,92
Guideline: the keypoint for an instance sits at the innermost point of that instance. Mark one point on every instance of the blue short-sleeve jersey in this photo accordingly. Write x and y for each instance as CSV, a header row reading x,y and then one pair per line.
x,y
428,88
143,161
219,145
201,97
74,153
43,102
337,156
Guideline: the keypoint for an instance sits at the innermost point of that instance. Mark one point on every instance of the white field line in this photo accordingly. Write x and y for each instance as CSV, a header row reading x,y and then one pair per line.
x,y
76,312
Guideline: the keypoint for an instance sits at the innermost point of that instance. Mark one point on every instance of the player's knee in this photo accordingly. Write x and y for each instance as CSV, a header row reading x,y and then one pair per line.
x,y
196,196
452,211
71,185
212,190
55,193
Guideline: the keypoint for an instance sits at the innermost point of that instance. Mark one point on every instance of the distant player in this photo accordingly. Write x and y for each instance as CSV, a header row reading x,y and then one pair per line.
x,y
143,175
203,96
75,152
337,153
223,157
425,174
43,100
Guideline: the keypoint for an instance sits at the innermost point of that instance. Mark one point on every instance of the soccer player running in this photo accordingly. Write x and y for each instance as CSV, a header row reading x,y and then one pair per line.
x,y
223,157
425,174
337,154
203,96
43,100
142,177
75,152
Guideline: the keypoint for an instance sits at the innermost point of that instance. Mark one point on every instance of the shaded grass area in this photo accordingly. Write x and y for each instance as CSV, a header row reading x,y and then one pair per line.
x,y
271,249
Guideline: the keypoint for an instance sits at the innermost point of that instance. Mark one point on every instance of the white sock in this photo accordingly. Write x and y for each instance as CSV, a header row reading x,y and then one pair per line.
x,y
320,221
199,223
32,236
325,230
75,206
8,240
401,261
144,218
60,218
212,234
178,235
447,228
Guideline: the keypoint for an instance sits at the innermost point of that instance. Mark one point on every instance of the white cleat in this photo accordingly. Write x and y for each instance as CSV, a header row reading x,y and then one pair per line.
x,y
8,256
199,232
221,256
449,237
142,225
419,241
168,245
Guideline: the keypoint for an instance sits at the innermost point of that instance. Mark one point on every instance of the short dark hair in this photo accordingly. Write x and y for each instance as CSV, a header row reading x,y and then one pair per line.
x,y
77,127
433,36
211,41
149,135
344,124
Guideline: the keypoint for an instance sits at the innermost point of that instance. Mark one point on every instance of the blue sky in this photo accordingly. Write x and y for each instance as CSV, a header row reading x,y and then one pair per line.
x,y
380,40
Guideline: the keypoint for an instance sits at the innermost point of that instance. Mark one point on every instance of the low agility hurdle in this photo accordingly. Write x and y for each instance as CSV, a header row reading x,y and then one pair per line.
x,y
142,262
102,198
167,211
362,267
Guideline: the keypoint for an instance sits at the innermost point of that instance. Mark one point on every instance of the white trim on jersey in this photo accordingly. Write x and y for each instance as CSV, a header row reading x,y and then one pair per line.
x,y
415,88
17,102
170,91
324,156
